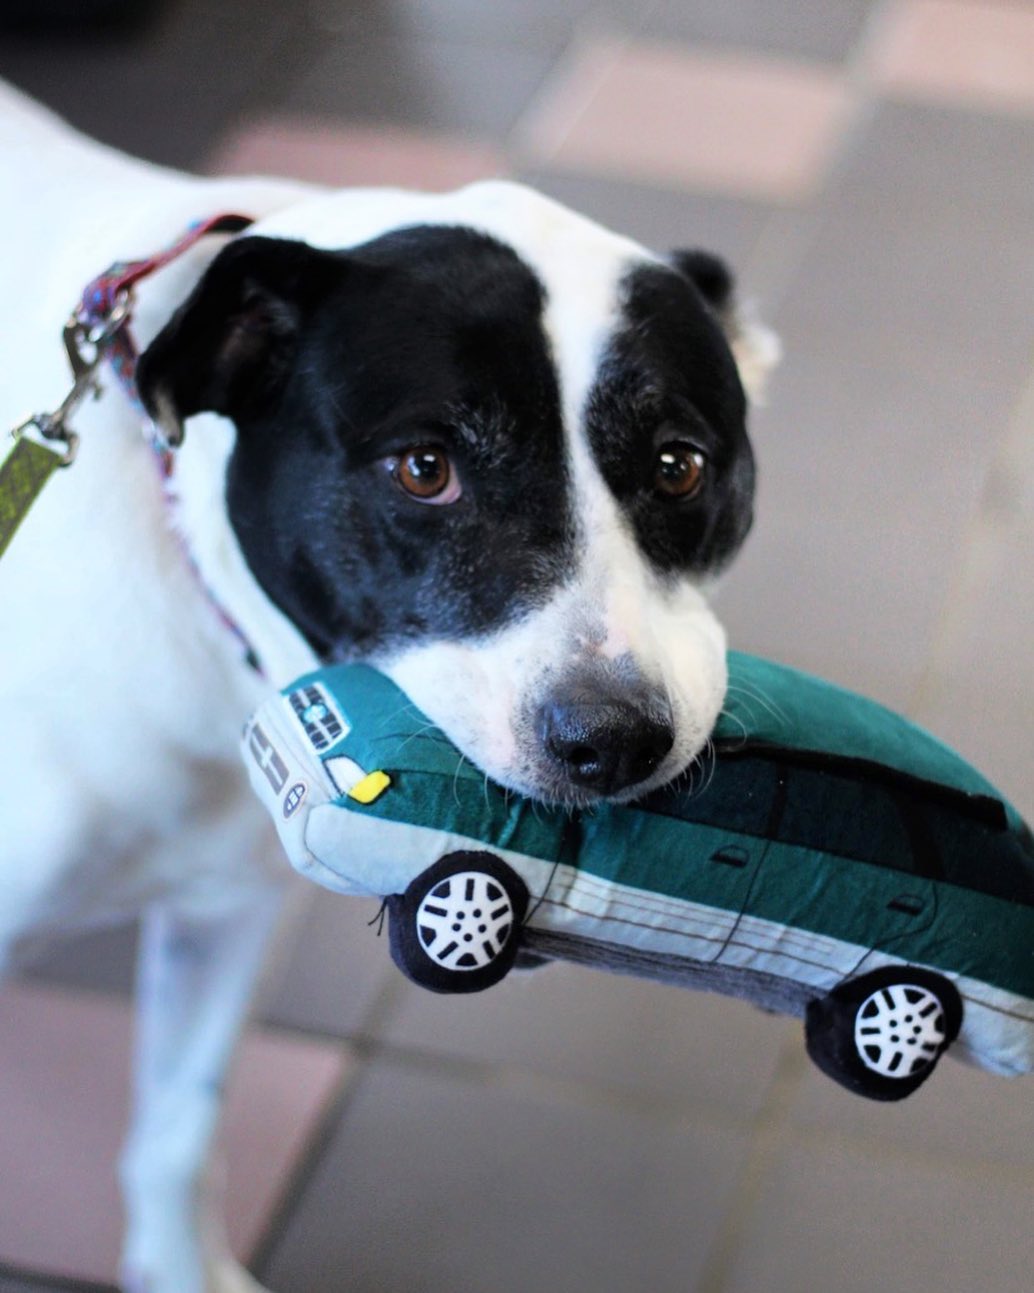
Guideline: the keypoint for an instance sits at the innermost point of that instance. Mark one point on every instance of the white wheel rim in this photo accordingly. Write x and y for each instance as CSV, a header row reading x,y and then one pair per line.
x,y
899,1030
464,922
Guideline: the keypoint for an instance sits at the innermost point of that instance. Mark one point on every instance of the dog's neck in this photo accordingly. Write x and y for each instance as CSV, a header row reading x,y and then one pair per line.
x,y
195,502
198,512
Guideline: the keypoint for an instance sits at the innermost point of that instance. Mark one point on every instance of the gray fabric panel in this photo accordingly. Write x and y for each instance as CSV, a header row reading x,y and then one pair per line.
x,y
768,991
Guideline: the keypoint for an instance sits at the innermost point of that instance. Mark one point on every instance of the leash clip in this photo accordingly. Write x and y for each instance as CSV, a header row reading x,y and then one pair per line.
x,y
87,338
50,429
86,343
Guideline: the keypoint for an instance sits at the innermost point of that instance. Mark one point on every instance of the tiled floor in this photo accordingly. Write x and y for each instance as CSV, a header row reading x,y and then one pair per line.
x,y
66,1053
763,127
867,168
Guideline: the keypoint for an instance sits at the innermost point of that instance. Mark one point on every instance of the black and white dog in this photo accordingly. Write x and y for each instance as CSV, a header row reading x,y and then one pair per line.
x,y
473,438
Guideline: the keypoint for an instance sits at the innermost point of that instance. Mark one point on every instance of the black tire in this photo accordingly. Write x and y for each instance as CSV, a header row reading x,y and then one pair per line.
x,y
457,927
881,1035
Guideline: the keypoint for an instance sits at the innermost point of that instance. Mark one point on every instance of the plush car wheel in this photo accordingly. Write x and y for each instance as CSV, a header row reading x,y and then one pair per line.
x,y
457,926
881,1034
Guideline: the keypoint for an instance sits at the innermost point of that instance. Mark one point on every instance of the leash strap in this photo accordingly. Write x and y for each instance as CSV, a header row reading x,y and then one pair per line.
x,y
23,474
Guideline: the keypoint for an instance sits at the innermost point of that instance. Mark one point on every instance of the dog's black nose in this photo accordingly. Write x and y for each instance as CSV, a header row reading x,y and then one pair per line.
x,y
604,746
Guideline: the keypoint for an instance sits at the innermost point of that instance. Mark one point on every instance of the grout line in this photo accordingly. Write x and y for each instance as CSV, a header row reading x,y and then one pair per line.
x,y
364,1046
322,1135
980,550
659,1107
52,1283
650,1105
392,989
309,1161
645,1103
789,234
772,1131
594,48
639,1101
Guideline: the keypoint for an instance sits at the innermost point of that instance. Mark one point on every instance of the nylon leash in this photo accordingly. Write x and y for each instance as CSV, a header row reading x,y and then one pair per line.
x,y
23,475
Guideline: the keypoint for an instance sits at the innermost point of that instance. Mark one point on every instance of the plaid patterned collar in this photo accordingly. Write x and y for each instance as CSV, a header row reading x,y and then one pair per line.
x,y
110,294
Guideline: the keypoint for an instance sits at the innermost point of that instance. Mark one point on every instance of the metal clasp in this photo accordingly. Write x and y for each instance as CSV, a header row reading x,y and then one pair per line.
x,y
86,342
50,430
85,346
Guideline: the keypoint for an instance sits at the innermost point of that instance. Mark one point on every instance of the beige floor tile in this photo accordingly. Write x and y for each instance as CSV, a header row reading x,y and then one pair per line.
x,y
952,51
327,152
815,28
959,1113
333,967
930,158
988,716
751,125
977,688
662,219
63,1101
866,492
980,697
507,22
835,1216
626,1037
436,1183
898,286
454,82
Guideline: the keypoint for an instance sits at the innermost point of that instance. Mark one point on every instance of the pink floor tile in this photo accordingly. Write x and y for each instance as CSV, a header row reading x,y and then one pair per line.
x,y
326,152
951,51
750,125
63,1098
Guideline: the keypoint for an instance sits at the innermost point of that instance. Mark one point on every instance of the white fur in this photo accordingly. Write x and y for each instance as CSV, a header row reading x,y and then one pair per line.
x,y
121,696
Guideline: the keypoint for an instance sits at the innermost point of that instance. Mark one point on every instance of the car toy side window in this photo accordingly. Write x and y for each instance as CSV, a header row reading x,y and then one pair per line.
x,y
741,795
833,812
975,855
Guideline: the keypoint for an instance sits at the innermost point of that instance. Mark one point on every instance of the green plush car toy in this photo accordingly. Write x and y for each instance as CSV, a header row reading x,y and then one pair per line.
x,y
826,859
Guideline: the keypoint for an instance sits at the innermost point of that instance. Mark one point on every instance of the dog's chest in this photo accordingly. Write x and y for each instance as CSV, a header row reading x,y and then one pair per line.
x,y
121,697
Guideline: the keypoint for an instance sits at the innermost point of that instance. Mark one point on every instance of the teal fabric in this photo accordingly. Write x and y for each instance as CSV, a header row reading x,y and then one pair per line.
x,y
862,846
769,704
386,728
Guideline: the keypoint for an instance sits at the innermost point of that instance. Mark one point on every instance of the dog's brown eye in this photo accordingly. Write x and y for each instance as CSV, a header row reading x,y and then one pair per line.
x,y
426,474
678,470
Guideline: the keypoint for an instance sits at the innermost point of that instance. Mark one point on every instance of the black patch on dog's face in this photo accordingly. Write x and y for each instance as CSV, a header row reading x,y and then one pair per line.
x,y
427,336
333,364
668,376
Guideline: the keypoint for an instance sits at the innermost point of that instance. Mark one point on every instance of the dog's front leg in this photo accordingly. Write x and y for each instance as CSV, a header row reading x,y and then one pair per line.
x,y
197,975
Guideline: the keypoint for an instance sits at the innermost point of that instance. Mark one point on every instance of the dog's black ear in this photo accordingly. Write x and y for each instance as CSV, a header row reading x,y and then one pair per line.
x,y
709,274
230,346
755,348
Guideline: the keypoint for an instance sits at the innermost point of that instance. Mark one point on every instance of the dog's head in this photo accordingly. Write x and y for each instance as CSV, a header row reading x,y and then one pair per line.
x,y
493,448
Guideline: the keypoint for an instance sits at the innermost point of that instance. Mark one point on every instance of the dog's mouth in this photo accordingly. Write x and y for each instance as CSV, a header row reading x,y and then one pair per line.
x,y
582,746
559,793
583,786
593,756
561,720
